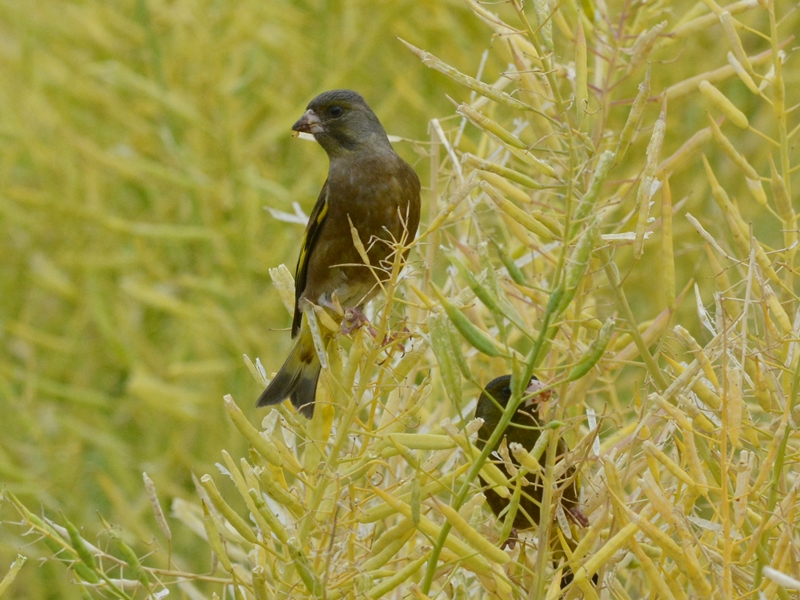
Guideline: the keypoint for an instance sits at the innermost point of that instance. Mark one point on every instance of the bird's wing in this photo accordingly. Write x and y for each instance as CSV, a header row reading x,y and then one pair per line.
x,y
306,248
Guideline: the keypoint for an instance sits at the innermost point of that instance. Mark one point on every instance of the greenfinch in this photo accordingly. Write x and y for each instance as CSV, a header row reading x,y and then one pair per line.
x,y
524,429
370,191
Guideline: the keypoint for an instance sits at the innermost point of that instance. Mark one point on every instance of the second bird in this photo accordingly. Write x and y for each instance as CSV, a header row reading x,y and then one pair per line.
x,y
524,429
368,185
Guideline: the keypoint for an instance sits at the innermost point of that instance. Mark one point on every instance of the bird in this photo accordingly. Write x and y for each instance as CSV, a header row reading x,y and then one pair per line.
x,y
370,189
524,429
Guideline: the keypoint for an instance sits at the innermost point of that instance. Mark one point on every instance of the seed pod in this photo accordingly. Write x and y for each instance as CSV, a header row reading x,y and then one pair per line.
x,y
543,14
634,116
261,443
743,74
492,294
402,576
729,26
260,590
472,537
687,150
432,530
280,494
306,572
667,250
721,101
490,167
239,524
644,44
128,555
530,460
581,67
516,213
444,352
514,271
782,202
604,164
212,534
429,60
475,336
89,570
150,489
777,309
731,151
389,544
488,125
576,268
284,282
595,351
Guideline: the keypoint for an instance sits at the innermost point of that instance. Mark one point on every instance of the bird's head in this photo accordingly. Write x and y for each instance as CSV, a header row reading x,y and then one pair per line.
x,y
342,122
496,395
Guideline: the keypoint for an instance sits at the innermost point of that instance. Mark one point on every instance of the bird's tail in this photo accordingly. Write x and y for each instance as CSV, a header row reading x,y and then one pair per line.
x,y
297,378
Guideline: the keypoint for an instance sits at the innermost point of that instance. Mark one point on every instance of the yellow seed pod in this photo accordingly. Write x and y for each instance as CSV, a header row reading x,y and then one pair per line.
x,y
687,151
731,151
777,310
472,537
504,185
238,523
284,282
212,534
486,124
729,26
431,529
781,194
644,43
581,67
635,115
743,74
721,101
517,214
476,162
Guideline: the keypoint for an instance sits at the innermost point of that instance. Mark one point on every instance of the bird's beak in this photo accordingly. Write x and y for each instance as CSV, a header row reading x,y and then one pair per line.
x,y
308,123
534,388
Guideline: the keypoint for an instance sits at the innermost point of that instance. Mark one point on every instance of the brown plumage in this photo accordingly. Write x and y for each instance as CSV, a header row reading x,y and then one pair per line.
x,y
368,185
524,429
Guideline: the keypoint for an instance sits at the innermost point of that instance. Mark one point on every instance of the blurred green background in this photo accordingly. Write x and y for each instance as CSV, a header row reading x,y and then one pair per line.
x,y
139,144
140,141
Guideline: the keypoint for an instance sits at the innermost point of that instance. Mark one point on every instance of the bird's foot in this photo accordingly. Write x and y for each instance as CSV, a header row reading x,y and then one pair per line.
x,y
511,540
354,319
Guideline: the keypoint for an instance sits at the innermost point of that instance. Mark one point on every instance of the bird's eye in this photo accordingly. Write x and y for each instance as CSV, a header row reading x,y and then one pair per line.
x,y
335,111
507,391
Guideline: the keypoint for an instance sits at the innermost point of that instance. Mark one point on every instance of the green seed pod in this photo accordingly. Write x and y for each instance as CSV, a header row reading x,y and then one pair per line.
x,y
307,574
86,556
634,116
589,199
513,270
579,261
212,533
444,352
476,338
595,351
490,167
238,523
722,102
128,555
271,520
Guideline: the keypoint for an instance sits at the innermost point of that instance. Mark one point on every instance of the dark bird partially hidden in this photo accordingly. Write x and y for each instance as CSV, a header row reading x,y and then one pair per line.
x,y
368,185
524,429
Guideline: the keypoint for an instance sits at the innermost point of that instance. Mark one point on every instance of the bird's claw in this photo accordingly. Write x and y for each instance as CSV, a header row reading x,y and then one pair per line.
x,y
511,540
354,319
